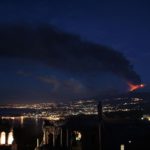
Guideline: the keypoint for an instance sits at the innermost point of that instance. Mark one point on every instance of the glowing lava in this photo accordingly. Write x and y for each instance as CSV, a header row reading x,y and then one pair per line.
x,y
133,87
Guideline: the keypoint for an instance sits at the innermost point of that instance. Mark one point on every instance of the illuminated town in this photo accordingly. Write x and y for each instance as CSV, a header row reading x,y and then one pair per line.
x,y
56,116
57,111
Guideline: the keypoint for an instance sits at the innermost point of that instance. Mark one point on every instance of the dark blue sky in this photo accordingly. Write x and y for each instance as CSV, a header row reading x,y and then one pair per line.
x,y
120,25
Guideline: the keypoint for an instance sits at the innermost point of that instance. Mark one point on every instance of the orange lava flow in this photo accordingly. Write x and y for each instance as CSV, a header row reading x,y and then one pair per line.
x,y
133,87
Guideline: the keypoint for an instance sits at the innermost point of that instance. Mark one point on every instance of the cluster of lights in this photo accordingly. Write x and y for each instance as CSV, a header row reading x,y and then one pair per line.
x,y
57,111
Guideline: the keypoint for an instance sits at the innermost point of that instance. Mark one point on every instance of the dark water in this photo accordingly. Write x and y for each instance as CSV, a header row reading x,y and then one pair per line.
x,y
25,133
15,111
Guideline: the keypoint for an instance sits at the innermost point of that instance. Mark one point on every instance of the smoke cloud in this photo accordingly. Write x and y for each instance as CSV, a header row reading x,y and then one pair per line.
x,y
63,51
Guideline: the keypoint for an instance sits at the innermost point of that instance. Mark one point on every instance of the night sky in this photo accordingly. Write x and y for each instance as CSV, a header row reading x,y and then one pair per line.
x,y
59,50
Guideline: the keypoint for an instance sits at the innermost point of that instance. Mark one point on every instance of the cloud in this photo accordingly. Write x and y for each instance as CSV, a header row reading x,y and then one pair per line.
x,y
55,83
65,88
23,73
63,51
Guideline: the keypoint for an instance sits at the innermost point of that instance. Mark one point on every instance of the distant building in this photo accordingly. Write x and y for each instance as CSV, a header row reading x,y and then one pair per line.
x,y
81,132
7,141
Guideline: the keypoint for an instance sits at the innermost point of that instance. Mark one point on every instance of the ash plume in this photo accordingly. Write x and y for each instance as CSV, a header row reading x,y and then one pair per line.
x,y
64,51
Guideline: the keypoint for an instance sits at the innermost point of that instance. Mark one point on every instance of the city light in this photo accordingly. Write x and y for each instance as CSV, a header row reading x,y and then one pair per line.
x,y
146,117
56,111
122,147
78,135
10,138
3,138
